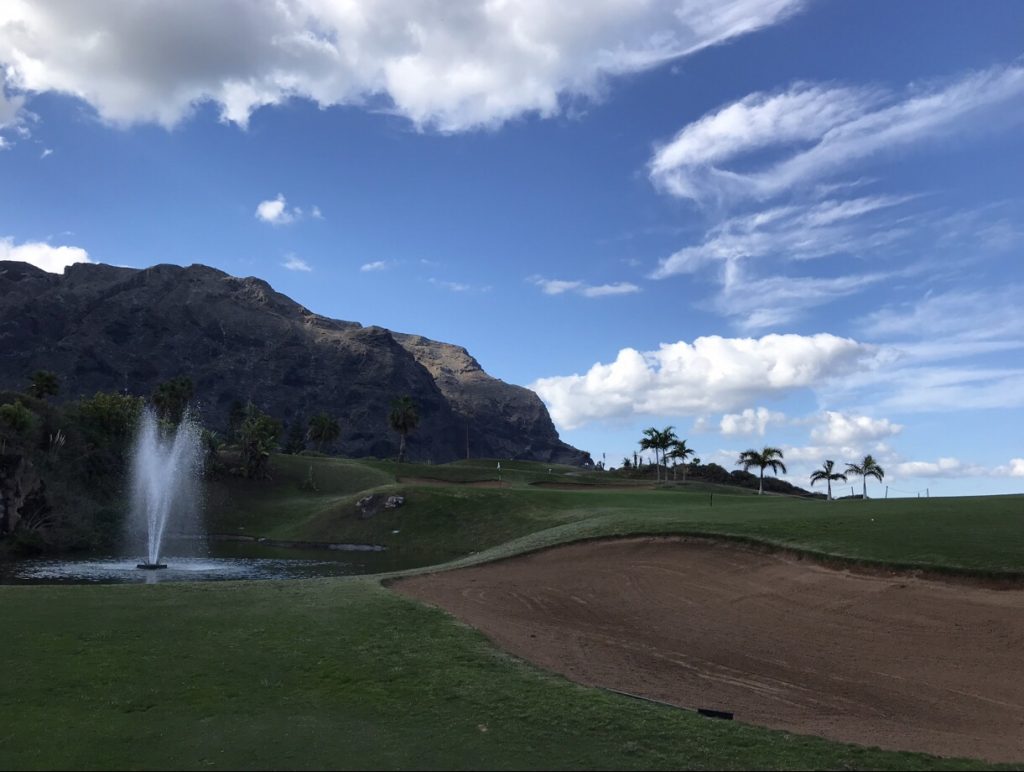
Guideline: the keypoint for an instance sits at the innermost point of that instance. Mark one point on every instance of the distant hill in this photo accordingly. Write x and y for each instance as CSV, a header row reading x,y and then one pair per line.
x,y
102,328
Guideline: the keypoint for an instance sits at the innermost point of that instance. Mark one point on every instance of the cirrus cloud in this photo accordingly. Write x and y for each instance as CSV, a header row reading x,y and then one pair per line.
x,y
825,128
561,286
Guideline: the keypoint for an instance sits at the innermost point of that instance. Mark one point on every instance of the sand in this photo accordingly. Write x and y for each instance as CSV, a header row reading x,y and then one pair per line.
x,y
883,660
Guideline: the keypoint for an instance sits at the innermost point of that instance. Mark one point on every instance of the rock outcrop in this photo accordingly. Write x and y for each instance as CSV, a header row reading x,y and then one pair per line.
x,y
102,328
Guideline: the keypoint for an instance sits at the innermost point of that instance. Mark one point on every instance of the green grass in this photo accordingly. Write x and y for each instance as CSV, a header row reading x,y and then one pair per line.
x,y
328,674
440,523
343,673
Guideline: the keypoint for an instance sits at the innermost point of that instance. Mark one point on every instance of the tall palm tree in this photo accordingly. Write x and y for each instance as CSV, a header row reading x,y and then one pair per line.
x,y
403,419
764,458
323,428
43,384
828,474
866,468
659,442
679,452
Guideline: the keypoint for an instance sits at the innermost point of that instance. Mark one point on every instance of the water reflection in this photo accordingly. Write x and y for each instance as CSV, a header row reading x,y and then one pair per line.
x,y
227,561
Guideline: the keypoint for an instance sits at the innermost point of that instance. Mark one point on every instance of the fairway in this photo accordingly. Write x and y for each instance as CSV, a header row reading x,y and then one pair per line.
x,y
346,673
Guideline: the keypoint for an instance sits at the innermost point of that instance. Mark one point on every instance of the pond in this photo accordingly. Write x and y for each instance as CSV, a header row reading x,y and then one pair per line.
x,y
223,561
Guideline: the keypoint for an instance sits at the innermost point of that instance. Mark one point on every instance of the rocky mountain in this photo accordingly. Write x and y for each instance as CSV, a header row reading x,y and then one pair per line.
x,y
102,328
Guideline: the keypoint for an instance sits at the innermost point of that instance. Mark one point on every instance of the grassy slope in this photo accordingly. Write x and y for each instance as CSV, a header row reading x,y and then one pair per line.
x,y
343,673
441,523
327,674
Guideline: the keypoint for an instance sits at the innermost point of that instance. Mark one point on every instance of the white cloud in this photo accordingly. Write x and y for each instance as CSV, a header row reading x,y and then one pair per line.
x,y
457,286
603,290
859,227
713,374
47,151
943,467
954,467
839,428
13,115
1016,467
453,66
560,286
275,211
759,302
750,421
825,129
294,263
376,265
800,232
42,255
316,214
958,314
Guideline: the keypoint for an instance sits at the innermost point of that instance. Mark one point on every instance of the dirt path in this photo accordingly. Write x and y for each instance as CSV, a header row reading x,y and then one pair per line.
x,y
896,662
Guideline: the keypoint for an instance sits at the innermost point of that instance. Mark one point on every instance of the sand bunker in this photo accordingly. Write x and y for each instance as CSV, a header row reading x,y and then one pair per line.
x,y
896,662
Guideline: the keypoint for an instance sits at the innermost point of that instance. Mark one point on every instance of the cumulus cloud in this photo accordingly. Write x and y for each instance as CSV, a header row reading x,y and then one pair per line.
x,y
750,421
275,211
43,255
712,374
294,263
453,66
839,428
560,286
823,129
1016,467
376,265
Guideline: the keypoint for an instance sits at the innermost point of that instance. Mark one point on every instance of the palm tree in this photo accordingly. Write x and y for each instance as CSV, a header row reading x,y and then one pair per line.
x,y
403,419
658,441
764,458
323,428
44,384
679,452
828,474
866,468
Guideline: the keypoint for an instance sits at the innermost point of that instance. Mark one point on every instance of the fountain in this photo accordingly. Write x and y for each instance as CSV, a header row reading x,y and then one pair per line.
x,y
166,477
166,470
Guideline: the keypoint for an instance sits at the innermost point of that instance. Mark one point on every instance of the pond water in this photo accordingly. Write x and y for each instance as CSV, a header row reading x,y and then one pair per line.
x,y
224,561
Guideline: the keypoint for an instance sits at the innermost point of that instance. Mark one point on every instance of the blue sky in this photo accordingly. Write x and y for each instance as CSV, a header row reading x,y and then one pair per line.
x,y
792,222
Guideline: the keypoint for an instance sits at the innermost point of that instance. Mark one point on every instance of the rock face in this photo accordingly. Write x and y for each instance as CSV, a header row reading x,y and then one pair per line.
x,y
102,328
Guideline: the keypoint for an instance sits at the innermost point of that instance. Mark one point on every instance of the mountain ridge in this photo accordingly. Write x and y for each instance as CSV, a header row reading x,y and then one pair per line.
x,y
107,328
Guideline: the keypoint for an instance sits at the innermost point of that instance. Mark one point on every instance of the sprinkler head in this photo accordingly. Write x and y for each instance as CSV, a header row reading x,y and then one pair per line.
x,y
151,566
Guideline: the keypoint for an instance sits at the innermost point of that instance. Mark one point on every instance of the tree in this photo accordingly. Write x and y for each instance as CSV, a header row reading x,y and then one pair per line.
x,y
659,442
403,418
828,474
257,439
322,428
762,459
44,384
679,452
866,468
171,398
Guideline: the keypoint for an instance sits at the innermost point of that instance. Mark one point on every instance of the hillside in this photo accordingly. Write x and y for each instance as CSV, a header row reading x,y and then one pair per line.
x,y
103,328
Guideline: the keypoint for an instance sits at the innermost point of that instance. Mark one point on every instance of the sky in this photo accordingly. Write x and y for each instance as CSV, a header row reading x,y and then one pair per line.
x,y
789,223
